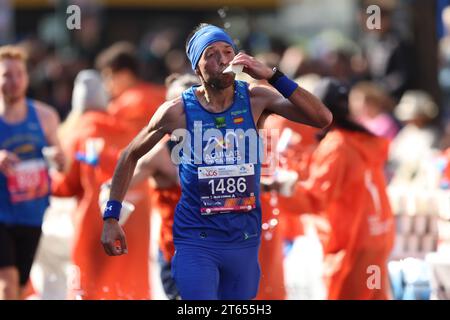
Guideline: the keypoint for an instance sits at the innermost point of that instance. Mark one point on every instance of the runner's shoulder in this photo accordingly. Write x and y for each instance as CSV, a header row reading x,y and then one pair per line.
x,y
45,112
258,90
171,112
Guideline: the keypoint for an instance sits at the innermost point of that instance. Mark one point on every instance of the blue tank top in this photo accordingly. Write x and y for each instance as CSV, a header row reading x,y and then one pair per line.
x,y
219,172
24,196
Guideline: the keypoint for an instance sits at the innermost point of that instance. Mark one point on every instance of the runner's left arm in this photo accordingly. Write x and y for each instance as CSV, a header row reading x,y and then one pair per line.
x,y
301,106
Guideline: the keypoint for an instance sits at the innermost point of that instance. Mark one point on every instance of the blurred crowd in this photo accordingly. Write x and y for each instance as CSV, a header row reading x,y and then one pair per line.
x,y
104,94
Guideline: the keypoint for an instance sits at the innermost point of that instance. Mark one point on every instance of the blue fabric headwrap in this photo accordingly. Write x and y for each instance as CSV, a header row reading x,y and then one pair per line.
x,y
202,39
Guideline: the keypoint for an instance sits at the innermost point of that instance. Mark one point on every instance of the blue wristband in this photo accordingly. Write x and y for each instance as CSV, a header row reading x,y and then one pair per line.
x,y
285,86
112,210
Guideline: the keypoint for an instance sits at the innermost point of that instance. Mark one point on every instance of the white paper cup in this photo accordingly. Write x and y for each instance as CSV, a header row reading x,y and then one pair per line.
x,y
413,244
235,68
433,225
399,246
287,179
49,154
125,212
429,243
404,223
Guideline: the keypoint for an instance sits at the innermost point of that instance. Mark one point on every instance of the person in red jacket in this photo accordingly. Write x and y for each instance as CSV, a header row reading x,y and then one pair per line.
x,y
93,140
133,101
346,183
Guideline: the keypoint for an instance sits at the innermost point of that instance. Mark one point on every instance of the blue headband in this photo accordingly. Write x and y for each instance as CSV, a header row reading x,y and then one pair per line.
x,y
202,39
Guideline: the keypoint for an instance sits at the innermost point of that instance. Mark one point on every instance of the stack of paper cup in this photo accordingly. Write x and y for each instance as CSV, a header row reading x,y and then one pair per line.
x,y
413,244
404,224
399,245
421,224
428,243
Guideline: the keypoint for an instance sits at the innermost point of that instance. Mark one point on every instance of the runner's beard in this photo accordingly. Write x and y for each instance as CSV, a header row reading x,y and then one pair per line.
x,y
221,81
15,97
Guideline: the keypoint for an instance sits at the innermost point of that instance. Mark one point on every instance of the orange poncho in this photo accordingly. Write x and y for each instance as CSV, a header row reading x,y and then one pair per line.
x,y
101,276
347,184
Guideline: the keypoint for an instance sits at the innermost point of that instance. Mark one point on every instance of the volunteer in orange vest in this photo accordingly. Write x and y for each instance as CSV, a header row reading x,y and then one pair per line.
x,y
93,140
289,149
346,183
133,101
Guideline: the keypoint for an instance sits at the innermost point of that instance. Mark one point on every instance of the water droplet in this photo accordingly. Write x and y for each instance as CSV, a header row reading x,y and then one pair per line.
x,y
268,236
265,226
227,25
273,201
276,211
273,222
222,13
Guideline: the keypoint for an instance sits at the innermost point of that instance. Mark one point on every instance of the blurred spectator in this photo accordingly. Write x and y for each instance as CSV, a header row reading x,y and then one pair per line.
x,y
387,55
371,107
349,158
417,141
176,62
295,62
133,101
92,141
27,128
338,65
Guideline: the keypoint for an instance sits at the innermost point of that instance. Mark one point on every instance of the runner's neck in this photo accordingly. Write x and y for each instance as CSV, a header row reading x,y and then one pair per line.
x,y
13,112
216,100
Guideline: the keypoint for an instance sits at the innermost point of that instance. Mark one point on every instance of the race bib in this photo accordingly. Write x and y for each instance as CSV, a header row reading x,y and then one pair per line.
x,y
29,181
225,189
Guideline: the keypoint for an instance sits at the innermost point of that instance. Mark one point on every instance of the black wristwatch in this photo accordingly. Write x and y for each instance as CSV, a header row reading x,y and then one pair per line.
x,y
277,74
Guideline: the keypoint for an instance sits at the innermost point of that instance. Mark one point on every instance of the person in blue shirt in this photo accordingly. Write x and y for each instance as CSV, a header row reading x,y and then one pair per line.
x,y
26,128
217,223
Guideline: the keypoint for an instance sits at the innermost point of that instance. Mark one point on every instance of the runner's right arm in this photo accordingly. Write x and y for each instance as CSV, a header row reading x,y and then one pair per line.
x,y
166,119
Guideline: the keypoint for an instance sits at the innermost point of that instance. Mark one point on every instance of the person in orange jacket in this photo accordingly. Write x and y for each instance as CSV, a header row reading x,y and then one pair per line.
x,y
294,144
271,256
346,183
93,143
133,101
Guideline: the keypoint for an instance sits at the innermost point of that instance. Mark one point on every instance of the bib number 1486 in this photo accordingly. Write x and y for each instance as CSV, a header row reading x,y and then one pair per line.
x,y
229,185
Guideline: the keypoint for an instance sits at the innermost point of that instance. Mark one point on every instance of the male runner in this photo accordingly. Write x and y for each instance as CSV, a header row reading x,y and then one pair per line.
x,y
217,222
26,126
